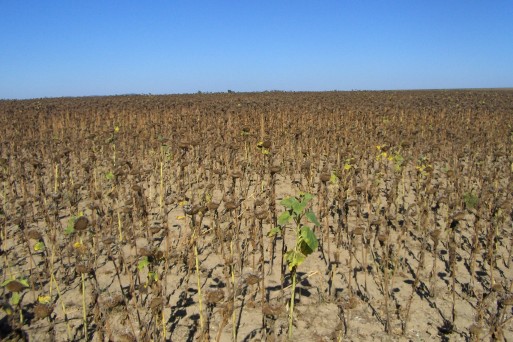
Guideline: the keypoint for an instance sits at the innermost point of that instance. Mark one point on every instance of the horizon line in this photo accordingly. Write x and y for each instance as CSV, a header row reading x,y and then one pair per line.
x,y
229,91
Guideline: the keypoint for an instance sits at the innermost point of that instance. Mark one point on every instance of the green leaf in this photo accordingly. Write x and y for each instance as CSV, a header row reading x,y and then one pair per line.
x,y
307,197
274,231
399,159
7,309
15,299
284,218
470,199
308,236
153,276
304,248
6,282
312,218
109,175
70,228
294,259
299,207
143,263
24,282
288,202
39,246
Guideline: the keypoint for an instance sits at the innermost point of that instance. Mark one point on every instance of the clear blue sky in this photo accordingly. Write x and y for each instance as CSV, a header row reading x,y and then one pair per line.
x,y
106,47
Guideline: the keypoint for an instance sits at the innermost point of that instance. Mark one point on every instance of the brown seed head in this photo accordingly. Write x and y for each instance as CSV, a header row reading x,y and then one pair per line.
x,y
237,174
109,240
351,303
213,296
230,206
212,206
259,202
275,169
435,234
352,202
82,268
261,214
126,337
15,286
325,177
475,329
273,310
156,303
266,144
251,278
508,300
145,251
359,231
43,310
336,256
497,288
111,301
458,216
382,237
34,234
81,223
